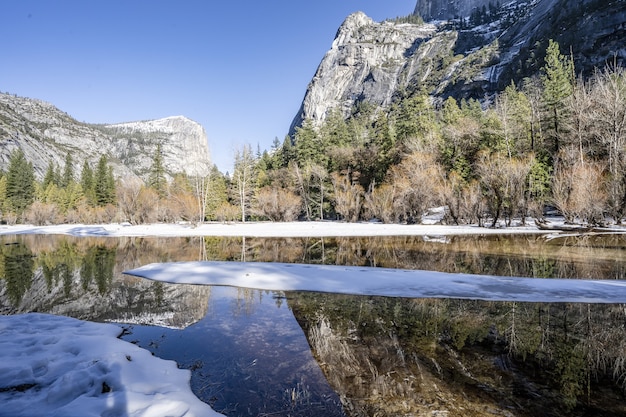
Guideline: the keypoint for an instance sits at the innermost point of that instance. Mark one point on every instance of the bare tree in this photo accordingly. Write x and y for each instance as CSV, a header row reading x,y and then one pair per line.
x,y
277,204
415,181
609,114
504,183
244,178
137,203
379,203
579,189
348,196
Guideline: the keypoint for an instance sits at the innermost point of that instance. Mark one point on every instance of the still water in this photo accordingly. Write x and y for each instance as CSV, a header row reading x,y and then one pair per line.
x,y
258,353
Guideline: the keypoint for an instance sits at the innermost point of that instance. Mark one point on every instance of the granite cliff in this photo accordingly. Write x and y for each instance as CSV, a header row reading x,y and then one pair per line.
x,y
466,49
45,134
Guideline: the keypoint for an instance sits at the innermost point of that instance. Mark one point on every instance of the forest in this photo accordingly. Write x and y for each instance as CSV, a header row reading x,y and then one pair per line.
x,y
555,141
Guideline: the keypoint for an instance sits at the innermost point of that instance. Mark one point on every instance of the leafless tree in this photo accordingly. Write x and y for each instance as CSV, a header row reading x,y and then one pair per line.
x,y
244,178
348,195
277,204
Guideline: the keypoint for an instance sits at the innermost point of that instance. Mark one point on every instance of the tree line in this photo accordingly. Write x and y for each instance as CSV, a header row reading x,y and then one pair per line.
x,y
553,140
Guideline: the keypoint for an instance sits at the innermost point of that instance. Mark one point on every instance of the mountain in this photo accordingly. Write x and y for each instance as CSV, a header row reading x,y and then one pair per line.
x,y
45,134
448,9
466,49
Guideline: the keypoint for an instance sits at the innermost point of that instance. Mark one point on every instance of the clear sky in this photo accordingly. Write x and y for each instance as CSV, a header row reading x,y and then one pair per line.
x,y
239,68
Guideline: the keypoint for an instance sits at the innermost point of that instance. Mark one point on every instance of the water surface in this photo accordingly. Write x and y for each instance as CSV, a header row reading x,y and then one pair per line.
x,y
273,353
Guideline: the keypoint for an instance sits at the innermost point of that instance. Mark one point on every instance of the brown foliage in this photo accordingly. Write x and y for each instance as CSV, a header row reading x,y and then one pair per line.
x,y
579,192
137,203
40,214
415,186
277,204
348,196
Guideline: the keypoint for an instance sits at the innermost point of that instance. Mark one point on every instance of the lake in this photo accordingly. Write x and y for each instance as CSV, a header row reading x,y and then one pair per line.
x,y
262,353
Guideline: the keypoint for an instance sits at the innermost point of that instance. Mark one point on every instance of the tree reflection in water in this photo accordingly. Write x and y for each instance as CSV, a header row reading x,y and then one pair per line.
x,y
383,356
391,356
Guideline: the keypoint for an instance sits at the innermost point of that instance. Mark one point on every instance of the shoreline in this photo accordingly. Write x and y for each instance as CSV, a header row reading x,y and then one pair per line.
x,y
267,229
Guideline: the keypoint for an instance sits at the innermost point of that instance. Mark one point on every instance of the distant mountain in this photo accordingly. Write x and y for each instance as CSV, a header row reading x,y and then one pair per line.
x,y
466,49
45,134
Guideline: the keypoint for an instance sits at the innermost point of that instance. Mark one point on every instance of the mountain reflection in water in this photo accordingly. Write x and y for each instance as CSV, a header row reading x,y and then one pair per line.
x,y
258,353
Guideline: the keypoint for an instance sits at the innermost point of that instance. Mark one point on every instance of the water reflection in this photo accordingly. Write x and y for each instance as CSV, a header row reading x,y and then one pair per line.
x,y
249,350
249,357
389,356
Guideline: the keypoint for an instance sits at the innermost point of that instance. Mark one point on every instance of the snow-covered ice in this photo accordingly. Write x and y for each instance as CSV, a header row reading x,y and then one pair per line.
x,y
384,282
59,366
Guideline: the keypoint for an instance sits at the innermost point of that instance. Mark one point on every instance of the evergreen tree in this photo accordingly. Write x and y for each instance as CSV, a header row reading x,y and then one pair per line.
x,y
288,152
68,171
104,185
308,145
557,79
110,183
20,182
50,177
87,183
416,119
157,178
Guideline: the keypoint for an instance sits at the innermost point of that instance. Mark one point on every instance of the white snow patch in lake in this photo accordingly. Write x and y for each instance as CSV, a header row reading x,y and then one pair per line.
x,y
60,366
384,282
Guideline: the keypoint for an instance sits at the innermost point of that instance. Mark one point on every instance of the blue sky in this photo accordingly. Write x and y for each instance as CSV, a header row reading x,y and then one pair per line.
x,y
239,68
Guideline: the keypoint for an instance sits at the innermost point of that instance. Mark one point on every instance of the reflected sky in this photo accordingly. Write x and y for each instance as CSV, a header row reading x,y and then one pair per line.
x,y
249,356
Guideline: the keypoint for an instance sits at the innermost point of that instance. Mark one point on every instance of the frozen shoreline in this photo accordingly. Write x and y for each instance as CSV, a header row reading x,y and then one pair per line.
x,y
267,229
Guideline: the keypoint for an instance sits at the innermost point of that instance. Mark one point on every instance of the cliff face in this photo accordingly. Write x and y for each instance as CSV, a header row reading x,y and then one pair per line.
x,y
470,49
45,134
367,61
448,9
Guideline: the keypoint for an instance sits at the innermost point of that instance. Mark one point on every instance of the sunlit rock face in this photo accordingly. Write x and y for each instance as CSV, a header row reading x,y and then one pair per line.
x,y
379,63
447,9
183,143
367,61
46,134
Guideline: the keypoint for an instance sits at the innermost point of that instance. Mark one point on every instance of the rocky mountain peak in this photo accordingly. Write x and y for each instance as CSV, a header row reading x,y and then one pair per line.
x,y
366,62
46,134
471,49
449,9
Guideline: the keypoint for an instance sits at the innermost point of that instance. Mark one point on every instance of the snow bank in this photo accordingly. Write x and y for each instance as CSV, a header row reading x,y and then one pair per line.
x,y
59,366
264,229
384,282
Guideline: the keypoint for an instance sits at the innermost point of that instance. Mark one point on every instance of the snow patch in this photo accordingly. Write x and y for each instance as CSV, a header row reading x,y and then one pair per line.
x,y
384,282
60,366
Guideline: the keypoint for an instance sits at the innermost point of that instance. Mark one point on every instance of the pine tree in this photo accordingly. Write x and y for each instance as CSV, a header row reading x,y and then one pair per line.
x,y
68,171
104,185
557,79
308,144
50,177
20,182
157,178
87,183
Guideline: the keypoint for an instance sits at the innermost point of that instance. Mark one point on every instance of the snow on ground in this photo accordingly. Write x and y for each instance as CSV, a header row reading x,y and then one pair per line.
x,y
63,367
265,229
384,282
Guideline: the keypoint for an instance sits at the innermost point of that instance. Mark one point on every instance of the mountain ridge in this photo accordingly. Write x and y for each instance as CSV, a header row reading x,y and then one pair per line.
x,y
46,134
481,48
